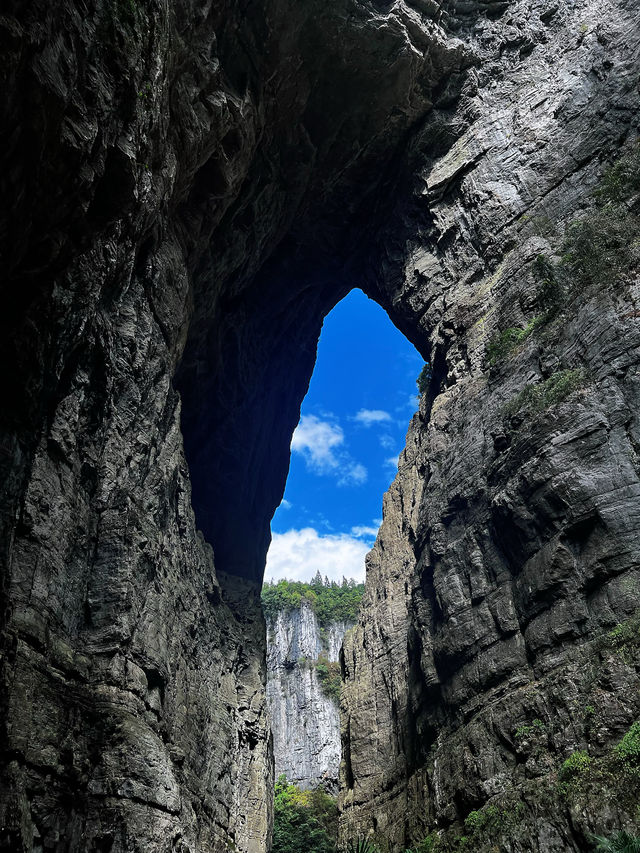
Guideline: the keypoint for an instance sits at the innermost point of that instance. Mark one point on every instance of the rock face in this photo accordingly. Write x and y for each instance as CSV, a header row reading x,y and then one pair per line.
x,y
509,547
305,721
171,180
187,189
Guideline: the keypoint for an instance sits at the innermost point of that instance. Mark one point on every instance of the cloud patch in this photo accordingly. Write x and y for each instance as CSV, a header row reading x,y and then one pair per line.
x,y
298,554
392,462
364,532
369,417
388,442
321,444
317,441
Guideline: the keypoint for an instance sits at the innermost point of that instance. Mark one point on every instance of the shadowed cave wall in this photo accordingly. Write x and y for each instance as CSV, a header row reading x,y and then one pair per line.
x,y
187,190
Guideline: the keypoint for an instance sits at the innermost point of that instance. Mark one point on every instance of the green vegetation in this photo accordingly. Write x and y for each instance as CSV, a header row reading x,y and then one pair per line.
x,y
526,730
362,845
628,750
603,246
429,844
505,342
623,842
330,601
578,763
480,826
330,677
625,637
538,397
303,820
424,378
621,180
598,251
477,821
492,819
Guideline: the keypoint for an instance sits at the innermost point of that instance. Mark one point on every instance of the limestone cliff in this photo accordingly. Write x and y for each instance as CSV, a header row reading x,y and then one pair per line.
x,y
304,717
506,570
187,189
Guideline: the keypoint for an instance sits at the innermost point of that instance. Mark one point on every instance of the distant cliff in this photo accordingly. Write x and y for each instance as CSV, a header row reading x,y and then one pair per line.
x,y
303,679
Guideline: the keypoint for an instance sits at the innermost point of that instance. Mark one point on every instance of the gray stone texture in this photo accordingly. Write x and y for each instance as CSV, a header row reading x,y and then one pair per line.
x,y
509,545
305,722
186,189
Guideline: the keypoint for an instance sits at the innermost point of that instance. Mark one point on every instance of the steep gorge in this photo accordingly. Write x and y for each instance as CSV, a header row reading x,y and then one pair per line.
x,y
187,190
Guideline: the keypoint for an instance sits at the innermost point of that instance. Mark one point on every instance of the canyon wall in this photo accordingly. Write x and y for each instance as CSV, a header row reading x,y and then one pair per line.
x,y
495,667
187,189
304,717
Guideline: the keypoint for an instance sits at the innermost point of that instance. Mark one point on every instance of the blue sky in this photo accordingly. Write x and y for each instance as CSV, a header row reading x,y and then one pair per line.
x,y
344,452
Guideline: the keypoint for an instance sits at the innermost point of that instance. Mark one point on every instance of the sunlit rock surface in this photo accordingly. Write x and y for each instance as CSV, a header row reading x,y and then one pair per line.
x,y
305,721
510,544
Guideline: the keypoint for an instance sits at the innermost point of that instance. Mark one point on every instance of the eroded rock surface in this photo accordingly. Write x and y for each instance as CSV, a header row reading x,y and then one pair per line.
x,y
304,717
509,547
155,158
187,189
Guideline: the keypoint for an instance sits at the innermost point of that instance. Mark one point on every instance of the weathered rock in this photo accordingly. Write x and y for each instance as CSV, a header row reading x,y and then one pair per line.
x,y
155,158
186,191
305,720
508,545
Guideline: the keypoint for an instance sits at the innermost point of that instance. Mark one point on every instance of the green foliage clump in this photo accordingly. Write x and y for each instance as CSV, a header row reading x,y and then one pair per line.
x,y
623,842
621,180
477,821
526,730
502,344
330,600
303,820
429,844
578,763
604,245
628,750
600,248
424,378
625,636
536,398
361,845
330,677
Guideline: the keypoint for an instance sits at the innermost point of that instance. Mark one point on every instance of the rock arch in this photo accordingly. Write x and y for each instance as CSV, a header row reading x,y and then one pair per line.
x,y
187,191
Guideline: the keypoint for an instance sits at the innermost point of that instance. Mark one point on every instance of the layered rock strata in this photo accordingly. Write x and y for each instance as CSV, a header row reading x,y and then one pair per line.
x,y
508,559
304,717
156,157
186,191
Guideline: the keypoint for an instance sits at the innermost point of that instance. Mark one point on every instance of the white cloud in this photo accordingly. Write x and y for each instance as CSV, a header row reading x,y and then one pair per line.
x,y
364,532
320,444
285,504
368,417
353,475
298,554
316,440
387,441
412,404
392,461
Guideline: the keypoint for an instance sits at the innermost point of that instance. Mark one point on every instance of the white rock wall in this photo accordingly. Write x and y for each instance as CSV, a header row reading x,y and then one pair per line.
x,y
305,723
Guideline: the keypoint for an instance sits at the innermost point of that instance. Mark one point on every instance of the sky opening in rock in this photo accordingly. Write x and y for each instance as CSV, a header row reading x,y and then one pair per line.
x,y
344,452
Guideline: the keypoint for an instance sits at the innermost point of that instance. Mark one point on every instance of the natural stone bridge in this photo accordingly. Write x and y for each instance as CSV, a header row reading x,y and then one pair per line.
x,y
188,189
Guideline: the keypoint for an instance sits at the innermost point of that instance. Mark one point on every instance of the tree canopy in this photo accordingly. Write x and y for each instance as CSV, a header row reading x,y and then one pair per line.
x,y
330,601
303,820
